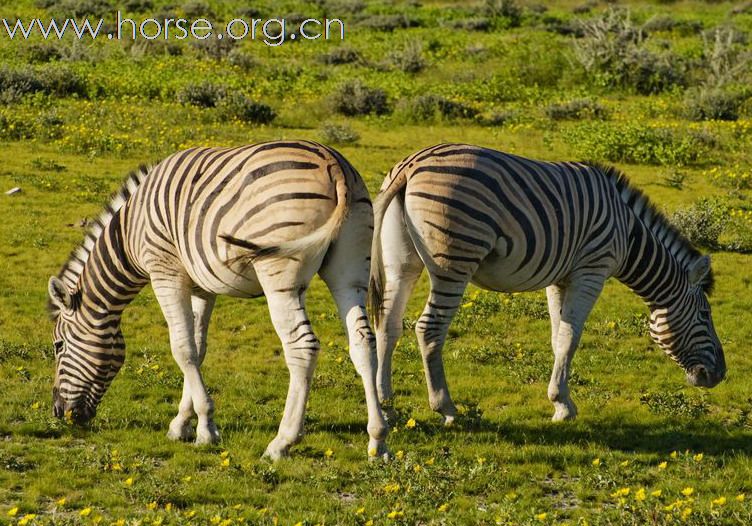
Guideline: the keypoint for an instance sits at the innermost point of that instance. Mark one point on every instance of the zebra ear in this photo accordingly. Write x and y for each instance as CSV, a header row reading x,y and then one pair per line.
x,y
59,295
699,270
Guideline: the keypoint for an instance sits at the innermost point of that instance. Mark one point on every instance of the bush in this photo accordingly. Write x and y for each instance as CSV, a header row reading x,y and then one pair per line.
x,y
239,107
214,47
194,9
637,144
78,8
241,59
55,81
576,109
472,24
427,108
702,223
340,55
712,104
204,94
332,133
388,23
725,57
40,52
355,98
614,49
667,23
507,9
410,58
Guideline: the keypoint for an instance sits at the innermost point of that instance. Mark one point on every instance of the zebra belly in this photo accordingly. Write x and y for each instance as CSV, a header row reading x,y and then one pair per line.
x,y
496,273
238,279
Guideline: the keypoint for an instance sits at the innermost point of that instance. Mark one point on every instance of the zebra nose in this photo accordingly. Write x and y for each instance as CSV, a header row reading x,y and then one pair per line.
x,y
701,376
58,404
79,413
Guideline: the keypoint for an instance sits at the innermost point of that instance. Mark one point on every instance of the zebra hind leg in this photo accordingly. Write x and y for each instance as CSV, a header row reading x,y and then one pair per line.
x,y
181,427
431,330
301,348
575,304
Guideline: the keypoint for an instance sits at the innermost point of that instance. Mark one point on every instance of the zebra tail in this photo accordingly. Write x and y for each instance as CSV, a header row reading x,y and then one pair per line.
x,y
378,278
318,240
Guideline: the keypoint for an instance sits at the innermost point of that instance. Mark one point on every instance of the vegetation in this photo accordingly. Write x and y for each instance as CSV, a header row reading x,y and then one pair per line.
x,y
661,88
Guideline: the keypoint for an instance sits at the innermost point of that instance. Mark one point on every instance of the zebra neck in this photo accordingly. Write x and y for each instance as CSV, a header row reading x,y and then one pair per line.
x,y
109,280
650,269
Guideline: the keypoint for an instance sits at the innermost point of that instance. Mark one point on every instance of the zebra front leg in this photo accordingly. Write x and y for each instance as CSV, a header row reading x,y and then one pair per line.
x,y
301,347
180,427
174,296
574,305
431,330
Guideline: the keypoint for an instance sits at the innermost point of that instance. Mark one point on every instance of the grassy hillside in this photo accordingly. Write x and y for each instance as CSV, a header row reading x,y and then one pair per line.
x,y
660,89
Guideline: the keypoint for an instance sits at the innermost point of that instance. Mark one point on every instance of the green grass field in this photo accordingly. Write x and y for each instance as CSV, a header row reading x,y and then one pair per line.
x,y
671,108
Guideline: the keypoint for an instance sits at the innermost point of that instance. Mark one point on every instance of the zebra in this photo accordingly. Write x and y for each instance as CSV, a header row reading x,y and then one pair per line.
x,y
506,223
246,221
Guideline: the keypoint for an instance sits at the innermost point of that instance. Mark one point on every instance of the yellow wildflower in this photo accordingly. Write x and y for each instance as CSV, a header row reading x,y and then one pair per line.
x,y
152,505
467,305
328,453
85,512
400,454
740,497
360,511
429,462
372,452
688,491
392,487
129,481
686,513
61,501
396,514
190,514
662,465
657,493
187,478
26,519
226,463
624,464
698,457
368,523
35,405
224,454
640,495
481,460
417,468
674,454
720,501
623,492
541,516
443,507
596,462
216,519
119,522
410,423
168,506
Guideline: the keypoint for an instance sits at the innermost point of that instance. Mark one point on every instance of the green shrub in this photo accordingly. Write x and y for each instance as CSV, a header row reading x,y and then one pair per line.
x,y
712,104
637,144
239,107
430,107
576,109
726,58
702,223
472,24
204,94
355,98
675,404
340,55
56,81
241,59
388,23
41,52
332,133
410,58
509,10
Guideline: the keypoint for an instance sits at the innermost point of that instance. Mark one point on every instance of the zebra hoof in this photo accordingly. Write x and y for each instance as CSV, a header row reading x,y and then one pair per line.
x,y
274,453
207,435
564,412
379,451
181,431
449,420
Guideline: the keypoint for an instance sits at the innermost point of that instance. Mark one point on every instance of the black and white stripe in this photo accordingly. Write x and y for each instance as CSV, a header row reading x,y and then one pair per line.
x,y
506,223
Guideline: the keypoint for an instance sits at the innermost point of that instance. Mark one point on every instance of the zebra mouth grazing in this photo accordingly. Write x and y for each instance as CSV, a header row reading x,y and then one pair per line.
x,y
700,376
76,412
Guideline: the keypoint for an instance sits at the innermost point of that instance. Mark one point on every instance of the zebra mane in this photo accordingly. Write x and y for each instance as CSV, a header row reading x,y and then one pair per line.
x,y
655,220
72,269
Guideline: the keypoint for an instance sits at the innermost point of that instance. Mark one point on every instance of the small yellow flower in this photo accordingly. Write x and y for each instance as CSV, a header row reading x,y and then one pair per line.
x,y
541,516
61,501
720,501
400,454
299,523
740,497
360,511
224,454
443,507
596,462
624,464
392,487
226,463
99,519
368,523
698,457
26,519
129,481
467,305
117,467
119,522
657,493
396,514
339,359
190,514
168,506
152,505
623,492
686,513
35,405
410,423
187,478
688,491
216,519
640,495
481,460
328,453
511,495
662,465
674,454
85,512
429,462
417,468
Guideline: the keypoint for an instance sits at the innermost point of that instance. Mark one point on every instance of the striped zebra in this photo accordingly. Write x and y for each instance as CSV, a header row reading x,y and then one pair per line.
x,y
505,223
245,222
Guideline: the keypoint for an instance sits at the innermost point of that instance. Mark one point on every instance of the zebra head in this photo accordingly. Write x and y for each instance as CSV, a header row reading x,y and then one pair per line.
x,y
683,328
88,355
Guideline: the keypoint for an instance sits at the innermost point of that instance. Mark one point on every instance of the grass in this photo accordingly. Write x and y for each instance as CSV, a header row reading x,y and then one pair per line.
x,y
504,462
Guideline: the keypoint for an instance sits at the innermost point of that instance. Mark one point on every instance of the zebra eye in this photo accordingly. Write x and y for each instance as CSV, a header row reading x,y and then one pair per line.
x,y
58,344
